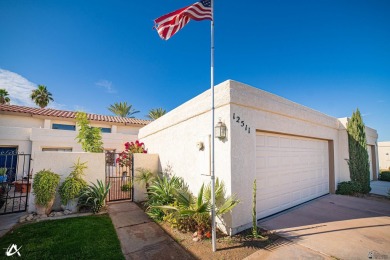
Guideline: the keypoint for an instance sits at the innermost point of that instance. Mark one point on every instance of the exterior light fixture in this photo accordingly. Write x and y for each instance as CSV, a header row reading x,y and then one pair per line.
x,y
220,130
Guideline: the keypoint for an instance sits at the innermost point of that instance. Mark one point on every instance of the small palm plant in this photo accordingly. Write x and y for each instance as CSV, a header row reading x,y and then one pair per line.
x,y
145,176
41,96
4,99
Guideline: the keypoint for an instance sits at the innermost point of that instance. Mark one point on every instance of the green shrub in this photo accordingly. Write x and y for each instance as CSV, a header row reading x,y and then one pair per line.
x,y
348,188
73,185
71,189
384,176
44,186
126,187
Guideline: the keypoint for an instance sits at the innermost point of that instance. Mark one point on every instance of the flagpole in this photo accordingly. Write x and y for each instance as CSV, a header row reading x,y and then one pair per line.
x,y
213,224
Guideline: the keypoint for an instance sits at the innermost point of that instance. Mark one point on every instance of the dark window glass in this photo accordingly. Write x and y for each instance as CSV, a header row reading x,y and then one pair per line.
x,y
105,130
64,127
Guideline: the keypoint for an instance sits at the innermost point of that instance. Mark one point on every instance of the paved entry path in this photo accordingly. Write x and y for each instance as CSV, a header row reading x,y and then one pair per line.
x,y
140,237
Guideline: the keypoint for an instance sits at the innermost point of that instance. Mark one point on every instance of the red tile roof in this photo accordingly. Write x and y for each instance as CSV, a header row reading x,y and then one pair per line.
x,y
70,114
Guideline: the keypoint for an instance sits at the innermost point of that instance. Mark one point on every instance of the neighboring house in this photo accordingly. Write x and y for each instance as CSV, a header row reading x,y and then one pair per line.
x,y
295,153
27,130
384,155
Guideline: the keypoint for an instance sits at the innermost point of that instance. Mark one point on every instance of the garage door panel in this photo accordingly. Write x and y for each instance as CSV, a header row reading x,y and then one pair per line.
x,y
289,170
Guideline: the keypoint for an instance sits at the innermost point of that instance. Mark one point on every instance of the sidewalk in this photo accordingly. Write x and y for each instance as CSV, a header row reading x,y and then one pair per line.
x,y
140,237
8,221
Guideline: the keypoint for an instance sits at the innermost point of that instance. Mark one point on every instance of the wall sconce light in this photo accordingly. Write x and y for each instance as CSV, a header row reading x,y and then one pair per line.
x,y
220,130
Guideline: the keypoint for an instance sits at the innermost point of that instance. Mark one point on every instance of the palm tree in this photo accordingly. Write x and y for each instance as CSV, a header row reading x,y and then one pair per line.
x,y
41,96
4,99
155,113
122,109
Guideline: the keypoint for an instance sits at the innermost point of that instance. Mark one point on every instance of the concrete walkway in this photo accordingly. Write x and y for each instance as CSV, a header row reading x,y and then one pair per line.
x,y
8,221
140,237
380,187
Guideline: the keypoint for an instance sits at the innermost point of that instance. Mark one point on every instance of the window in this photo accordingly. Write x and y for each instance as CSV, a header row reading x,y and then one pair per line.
x,y
105,130
56,149
64,127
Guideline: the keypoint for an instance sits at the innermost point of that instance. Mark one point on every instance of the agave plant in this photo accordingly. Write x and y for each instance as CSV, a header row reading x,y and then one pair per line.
x,y
162,192
94,196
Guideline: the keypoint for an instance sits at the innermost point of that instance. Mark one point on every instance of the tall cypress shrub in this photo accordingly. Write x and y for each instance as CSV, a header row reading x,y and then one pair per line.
x,y
359,166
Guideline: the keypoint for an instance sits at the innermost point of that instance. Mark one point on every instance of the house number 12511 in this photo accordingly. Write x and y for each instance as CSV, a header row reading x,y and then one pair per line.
x,y
238,120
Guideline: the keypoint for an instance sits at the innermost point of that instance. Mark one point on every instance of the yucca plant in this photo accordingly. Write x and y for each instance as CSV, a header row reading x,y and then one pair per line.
x,y
94,196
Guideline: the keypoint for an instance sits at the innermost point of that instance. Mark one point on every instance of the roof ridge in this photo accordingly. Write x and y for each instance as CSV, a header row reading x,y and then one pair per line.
x,y
70,114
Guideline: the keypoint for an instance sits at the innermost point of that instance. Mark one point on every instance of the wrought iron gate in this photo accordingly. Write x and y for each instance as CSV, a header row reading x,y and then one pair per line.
x,y
15,183
119,172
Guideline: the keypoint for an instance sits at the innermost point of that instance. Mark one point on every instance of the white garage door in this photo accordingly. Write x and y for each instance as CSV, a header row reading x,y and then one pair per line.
x,y
289,170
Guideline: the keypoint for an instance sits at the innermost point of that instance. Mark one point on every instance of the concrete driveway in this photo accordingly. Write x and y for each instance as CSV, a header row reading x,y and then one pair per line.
x,y
337,226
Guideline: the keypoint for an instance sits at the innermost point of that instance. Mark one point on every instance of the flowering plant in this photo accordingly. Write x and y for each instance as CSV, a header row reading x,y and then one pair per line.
x,y
124,158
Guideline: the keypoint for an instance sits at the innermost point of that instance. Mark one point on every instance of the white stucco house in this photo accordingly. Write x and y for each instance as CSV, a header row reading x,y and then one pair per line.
x,y
295,153
384,155
28,129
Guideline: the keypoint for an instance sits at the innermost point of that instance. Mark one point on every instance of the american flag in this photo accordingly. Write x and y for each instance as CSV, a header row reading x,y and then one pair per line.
x,y
169,24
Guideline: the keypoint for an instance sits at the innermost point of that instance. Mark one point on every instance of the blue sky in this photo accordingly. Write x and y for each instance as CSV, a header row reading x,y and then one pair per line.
x,y
330,55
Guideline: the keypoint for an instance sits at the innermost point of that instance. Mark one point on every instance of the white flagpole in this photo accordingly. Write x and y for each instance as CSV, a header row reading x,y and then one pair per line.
x,y
213,224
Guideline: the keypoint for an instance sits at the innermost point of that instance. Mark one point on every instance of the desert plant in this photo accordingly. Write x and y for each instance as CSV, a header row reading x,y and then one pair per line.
x,y
73,185
44,186
185,206
162,192
384,176
144,176
348,188
89,137
359,166
94,196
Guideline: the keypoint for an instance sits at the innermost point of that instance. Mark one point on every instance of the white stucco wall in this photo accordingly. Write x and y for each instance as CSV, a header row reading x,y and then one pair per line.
x,y
384,155
174,138
148,162
17,121
61,163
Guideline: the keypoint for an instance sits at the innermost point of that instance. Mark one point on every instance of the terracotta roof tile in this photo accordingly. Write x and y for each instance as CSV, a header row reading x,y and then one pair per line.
x,y
71,114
